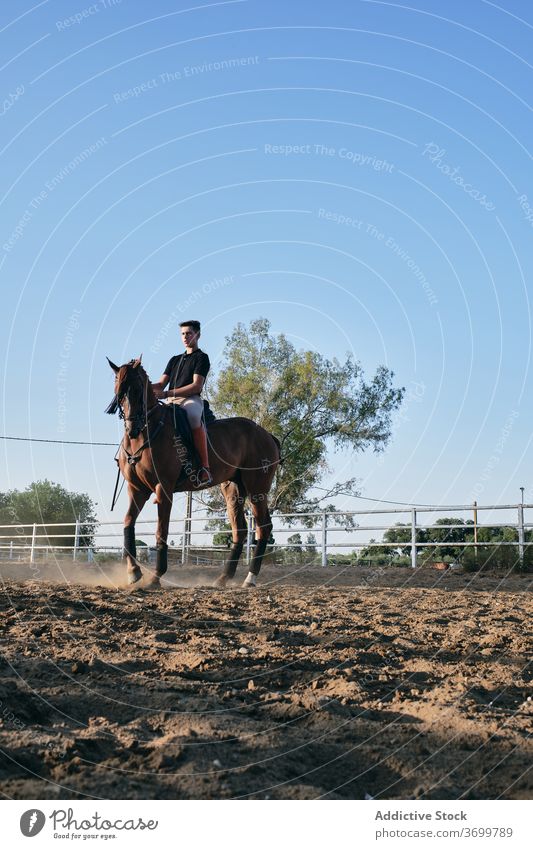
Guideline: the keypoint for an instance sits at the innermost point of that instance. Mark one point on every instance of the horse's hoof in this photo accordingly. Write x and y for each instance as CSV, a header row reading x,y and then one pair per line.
x,y
248,584
153,583
134,576
221,581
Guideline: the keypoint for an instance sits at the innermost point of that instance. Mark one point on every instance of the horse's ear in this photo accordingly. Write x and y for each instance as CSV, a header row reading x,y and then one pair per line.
x,y
115,368
136,363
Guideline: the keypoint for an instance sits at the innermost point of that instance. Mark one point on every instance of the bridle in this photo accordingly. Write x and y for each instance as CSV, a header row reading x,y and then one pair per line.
x,y
139,420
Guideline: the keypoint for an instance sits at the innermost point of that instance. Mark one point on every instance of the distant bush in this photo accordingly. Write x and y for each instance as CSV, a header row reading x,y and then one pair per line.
x,y
499,557
401,561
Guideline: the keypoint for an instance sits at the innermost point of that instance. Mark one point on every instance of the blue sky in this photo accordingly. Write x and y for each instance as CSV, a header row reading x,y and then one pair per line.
x,y
357,172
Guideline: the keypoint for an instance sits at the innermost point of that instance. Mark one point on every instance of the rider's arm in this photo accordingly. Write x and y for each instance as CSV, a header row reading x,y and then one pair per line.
x,y
193,388
160,385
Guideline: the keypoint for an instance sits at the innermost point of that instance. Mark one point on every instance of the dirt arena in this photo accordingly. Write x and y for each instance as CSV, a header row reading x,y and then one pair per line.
x,y
322,683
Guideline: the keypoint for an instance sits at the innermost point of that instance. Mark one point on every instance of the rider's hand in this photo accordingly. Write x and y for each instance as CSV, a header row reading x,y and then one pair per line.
x,y
160,393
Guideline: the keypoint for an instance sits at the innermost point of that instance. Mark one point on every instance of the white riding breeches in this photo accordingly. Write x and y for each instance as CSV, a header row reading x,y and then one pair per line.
x,y
193,406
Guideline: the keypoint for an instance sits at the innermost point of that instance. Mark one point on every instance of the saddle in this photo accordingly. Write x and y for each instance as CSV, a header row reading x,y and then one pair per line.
x,y
190,461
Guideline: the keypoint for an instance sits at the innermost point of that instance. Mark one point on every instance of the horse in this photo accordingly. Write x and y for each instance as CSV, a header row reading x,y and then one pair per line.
x,y
243,459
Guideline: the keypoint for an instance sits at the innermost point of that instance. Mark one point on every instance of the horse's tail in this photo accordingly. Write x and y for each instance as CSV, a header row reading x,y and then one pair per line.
x,y
278,443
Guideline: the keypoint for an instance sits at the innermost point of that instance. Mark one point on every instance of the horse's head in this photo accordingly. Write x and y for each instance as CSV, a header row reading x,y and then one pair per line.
x,y
131,390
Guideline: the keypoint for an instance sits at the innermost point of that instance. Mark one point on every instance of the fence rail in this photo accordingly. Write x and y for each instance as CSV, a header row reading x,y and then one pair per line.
x,y
30,539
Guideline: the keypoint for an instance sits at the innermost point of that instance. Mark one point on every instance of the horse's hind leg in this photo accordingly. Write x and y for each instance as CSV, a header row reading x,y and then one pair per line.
x,y
138,499
263,529
234,495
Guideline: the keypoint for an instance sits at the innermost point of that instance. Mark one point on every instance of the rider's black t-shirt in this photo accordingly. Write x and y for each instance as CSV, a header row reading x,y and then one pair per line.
x,y
182,367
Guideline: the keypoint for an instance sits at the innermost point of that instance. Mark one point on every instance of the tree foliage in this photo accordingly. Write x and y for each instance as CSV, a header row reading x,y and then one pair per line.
x,y
47,503
309,402
445,541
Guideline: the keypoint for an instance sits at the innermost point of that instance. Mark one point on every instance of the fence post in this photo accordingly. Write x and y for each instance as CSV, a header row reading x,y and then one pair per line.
x,y
249,532
33,536
187,523
475,530
324,538
184,542
11,550
521,534
413,539
76,539
90,555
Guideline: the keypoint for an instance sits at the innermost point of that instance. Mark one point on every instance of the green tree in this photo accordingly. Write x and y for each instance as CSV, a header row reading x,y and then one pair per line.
x,y
446,538
310,543
223,536
295,541
47,503
309,402
400,534
294,548
497,534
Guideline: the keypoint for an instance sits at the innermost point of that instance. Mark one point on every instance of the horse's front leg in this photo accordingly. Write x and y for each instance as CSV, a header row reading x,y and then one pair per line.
x,y
164,507
138,499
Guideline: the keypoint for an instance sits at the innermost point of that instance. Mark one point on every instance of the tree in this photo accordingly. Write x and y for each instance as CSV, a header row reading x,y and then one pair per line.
x,y
309,402
295,542
400,534
293,552
223,536
43,503
310,543
444,538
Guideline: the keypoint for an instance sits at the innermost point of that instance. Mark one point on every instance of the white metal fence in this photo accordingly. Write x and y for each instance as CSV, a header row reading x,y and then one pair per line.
x,y
31,541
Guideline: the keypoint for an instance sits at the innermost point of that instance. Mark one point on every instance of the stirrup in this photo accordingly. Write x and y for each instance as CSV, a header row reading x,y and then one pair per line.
x,y
204,476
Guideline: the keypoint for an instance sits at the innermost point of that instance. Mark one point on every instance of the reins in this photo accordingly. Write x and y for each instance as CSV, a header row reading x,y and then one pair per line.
x,y
134,458
136,455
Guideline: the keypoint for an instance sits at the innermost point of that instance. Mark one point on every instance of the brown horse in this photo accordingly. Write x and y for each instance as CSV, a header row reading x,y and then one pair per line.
x,y
243,458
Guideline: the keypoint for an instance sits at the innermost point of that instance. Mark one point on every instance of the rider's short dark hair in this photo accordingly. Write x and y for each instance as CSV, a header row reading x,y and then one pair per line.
x,y
194,324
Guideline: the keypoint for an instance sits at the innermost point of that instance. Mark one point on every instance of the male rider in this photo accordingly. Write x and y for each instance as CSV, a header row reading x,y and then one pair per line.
x,y
185,374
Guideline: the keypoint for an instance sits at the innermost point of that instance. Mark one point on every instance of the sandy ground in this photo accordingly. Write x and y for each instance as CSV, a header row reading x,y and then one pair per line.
x,y
336,683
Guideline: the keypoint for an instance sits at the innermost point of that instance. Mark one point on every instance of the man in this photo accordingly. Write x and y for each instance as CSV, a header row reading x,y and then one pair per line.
x,y
186,374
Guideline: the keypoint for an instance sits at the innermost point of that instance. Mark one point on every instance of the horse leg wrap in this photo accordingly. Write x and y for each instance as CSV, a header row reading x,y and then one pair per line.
x,y
231,564
161,562
130,549
259,551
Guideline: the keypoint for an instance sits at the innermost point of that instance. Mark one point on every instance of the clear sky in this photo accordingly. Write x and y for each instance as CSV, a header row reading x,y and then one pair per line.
x,y
359,172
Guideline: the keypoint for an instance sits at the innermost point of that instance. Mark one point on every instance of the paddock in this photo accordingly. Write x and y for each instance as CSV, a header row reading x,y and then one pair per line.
x,y
342,683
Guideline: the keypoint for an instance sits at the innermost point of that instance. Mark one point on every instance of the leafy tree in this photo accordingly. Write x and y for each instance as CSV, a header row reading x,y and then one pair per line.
x,y
444,538
400,534
223,537
295,542
309,402
448,542
496,534
310,543
44,502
